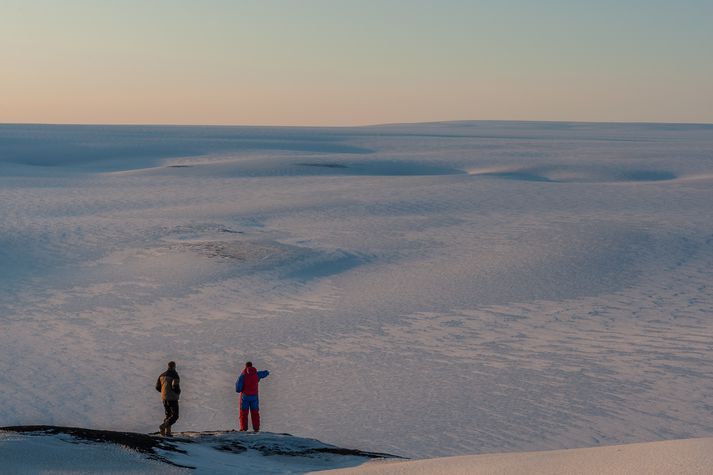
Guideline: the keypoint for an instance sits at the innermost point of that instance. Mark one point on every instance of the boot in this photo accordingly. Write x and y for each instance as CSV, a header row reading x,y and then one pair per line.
x,y
162,429
168,431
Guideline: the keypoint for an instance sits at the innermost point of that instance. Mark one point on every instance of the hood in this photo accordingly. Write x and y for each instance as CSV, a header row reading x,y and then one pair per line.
x,y
250,370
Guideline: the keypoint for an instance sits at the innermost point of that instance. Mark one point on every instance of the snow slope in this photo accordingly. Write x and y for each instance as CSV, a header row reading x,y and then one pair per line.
x,y
679,457
58,450
423,290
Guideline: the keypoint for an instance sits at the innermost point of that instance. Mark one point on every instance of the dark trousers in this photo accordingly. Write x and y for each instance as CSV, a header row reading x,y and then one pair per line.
x,y
171,408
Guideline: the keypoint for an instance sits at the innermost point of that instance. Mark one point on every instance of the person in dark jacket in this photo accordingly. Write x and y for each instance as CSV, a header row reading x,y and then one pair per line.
x,y
168,385
247,386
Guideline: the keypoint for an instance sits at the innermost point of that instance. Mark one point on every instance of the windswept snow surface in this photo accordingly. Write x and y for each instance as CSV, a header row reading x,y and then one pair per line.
x,y
422,290
679,457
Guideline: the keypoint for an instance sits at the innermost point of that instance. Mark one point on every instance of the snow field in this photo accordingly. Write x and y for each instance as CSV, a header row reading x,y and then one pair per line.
x,y
424,290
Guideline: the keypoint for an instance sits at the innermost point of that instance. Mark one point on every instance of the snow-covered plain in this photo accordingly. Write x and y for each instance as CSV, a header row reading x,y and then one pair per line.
x,y
423,290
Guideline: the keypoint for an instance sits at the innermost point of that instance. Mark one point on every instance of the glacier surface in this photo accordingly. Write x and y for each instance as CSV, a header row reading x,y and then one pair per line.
x,y
423,290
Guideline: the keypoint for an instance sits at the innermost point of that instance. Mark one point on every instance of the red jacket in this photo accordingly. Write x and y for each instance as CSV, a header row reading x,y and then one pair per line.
x,y
250,380
247,383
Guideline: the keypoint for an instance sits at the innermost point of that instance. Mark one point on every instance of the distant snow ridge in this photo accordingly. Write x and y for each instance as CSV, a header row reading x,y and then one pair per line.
x,y
52,449
278,166
576,174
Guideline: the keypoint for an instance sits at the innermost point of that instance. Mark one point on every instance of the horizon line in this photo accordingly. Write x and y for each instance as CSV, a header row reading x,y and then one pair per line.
x,y
378,124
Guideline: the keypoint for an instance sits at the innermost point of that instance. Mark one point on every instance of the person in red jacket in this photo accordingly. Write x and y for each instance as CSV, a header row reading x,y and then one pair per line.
x,y
247,386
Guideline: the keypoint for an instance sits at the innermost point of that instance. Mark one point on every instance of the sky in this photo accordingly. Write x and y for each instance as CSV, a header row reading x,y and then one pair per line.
x,y
344,62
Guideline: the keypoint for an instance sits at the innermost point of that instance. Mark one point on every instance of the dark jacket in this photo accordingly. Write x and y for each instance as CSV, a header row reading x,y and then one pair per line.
x,y
168,385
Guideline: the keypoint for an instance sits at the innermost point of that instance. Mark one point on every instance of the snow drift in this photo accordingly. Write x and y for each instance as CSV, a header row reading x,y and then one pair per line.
x,y
680,457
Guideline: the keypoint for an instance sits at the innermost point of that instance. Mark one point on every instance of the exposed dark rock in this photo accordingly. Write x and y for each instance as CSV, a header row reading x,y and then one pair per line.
x,y
234,447
152,445
308,452
143,443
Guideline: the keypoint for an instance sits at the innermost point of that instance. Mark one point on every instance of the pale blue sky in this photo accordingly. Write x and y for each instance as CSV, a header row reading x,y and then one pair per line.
x,y
339,62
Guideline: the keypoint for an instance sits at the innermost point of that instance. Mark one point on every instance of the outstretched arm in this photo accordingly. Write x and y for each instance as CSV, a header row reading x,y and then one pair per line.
x,y
263,374
239,384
